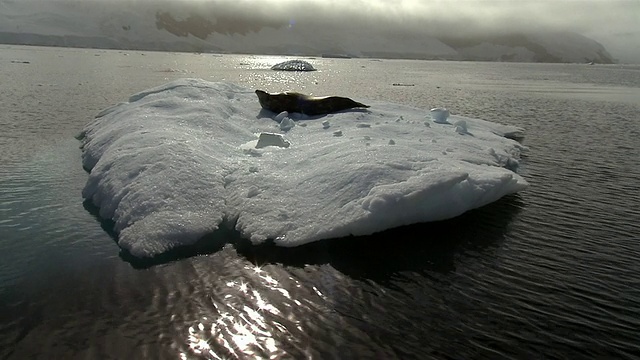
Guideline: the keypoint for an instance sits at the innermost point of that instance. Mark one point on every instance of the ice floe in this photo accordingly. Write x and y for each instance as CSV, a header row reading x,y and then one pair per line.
x,y
174,162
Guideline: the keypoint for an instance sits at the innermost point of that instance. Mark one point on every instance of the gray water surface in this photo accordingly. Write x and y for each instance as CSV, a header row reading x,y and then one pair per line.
x,y
551,272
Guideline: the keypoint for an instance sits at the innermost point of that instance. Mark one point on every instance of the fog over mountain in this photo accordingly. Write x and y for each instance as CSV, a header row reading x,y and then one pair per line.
x,y
524,30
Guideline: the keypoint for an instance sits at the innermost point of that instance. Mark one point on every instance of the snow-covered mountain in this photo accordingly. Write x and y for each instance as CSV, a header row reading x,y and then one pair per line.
x,y
195,27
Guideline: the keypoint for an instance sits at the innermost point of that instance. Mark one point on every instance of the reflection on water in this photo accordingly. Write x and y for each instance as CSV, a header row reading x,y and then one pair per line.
x,y
248,324
263,62
420,247
267,311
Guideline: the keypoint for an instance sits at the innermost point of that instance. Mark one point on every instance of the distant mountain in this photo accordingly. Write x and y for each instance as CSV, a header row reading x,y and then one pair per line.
x,y
168,26
541,47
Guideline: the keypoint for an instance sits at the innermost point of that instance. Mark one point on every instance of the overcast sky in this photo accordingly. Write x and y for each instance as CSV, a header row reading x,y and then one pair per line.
x,y
614,23
583,16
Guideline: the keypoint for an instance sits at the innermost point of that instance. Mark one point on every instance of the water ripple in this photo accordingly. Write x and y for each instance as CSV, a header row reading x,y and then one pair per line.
x,y
550,273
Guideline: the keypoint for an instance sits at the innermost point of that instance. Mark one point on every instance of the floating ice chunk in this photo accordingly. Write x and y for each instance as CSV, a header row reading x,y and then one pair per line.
x,y
168,170
287,124
293,65
461,127
271,139
281,116
440,115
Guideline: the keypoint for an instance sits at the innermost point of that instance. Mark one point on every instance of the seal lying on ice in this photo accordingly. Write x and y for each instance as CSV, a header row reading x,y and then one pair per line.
x,y
308,105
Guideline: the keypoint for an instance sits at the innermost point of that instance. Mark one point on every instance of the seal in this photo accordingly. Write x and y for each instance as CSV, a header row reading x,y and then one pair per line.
x,y
305,104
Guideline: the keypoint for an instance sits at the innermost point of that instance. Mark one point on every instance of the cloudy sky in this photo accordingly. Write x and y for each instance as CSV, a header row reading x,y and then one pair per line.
x,y
604,16
614,23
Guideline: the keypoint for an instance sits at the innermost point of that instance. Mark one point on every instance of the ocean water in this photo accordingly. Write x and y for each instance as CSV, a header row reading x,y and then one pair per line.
x,y
551,272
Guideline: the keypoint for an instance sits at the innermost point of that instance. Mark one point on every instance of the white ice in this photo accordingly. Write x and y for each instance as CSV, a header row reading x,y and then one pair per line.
x,y
170,165
440,115
294,65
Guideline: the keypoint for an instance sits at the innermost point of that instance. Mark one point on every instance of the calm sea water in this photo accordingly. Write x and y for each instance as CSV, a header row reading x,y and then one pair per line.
x,y
551,272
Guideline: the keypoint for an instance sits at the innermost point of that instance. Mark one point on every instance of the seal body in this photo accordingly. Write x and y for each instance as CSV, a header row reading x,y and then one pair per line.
x,y
308,105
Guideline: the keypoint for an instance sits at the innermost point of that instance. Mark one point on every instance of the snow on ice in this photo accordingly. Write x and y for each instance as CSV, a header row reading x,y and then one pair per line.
x,y
174,162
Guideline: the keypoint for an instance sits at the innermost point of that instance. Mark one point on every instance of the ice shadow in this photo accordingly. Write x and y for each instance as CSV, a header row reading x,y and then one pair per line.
x,y
268,114
107,225
208,244
421,248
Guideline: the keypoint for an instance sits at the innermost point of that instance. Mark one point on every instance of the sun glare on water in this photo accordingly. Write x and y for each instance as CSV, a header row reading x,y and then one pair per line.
x,y
240,329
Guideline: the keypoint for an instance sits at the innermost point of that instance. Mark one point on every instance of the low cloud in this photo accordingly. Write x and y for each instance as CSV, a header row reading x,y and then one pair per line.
x,y
611,22
583,16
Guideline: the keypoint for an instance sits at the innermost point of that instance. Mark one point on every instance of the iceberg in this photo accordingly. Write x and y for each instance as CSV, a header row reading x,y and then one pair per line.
x,y
175,162
293,65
